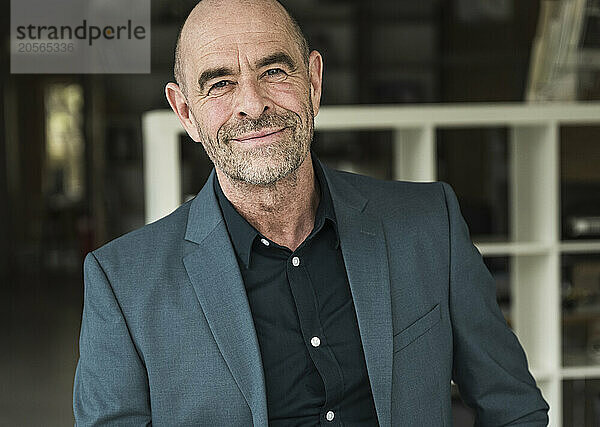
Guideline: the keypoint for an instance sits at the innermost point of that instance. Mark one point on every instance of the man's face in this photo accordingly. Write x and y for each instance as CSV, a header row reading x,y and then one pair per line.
x,y
249,95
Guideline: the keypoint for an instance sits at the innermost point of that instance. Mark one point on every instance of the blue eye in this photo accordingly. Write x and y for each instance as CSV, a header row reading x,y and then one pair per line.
x,y
220,84
275,72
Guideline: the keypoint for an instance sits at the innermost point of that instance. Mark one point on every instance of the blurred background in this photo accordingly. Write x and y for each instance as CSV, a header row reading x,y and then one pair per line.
x,y
72,177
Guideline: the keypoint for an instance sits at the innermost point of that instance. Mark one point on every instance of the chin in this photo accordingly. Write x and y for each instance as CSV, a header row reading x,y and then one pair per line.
x,y
264,176
265,164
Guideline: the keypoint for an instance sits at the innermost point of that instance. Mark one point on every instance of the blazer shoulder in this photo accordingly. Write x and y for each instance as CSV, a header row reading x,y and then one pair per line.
x,y
390,198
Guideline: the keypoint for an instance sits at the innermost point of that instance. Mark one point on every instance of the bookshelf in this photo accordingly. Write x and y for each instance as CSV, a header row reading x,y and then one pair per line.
x,y
534,246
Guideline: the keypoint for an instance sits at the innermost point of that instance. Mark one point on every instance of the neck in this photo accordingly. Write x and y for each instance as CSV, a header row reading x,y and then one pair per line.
x,y
283,211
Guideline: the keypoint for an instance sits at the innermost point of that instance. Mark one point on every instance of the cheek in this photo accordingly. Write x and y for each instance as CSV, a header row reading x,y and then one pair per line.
x,y
289,96
213,115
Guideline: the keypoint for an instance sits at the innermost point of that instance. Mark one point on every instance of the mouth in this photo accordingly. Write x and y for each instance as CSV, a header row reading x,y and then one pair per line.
x,y
262,136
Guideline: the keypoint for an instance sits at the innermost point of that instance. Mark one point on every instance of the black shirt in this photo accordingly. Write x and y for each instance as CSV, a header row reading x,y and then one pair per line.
x,y
314,365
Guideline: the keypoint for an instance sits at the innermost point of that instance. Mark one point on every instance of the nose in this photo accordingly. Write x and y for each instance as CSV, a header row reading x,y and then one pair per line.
x,y
252,101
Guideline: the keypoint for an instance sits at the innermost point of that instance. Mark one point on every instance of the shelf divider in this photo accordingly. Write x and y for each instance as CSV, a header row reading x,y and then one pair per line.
x,y
535,283
415,154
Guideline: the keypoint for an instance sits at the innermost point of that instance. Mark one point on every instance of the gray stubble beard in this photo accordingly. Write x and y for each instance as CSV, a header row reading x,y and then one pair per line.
x,y
267,164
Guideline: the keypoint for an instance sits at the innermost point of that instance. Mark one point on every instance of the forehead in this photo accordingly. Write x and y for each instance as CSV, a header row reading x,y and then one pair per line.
x,y
240,45
226,38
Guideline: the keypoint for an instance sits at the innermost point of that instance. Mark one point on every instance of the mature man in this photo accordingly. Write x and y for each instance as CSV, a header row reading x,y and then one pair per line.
x,y
287,293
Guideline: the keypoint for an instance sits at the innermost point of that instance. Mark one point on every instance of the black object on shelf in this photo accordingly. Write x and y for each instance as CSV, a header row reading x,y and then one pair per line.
x,y
580,210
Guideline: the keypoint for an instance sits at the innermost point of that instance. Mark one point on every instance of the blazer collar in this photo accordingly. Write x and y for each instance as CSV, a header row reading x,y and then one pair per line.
x,y
204,214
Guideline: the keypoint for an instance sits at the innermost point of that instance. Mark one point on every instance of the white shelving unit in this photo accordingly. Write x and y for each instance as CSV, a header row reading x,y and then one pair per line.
x,y
534,247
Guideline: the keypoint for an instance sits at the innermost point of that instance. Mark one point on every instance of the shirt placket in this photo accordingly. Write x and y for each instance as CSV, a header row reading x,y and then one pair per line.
x,y
314,337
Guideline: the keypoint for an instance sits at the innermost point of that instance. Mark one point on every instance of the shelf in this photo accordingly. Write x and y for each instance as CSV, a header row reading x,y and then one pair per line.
x,y
512,248
353,117
536,248
579,246
580,372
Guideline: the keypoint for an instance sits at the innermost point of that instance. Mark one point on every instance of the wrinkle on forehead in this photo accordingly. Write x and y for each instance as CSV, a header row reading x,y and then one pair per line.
x,y
248,40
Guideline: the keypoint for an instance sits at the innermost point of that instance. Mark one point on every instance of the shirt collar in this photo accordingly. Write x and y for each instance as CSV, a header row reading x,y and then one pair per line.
x,y
326,203
243,234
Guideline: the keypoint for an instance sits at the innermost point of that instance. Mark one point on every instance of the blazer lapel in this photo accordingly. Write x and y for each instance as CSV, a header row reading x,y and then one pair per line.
x,y
363,246
214,273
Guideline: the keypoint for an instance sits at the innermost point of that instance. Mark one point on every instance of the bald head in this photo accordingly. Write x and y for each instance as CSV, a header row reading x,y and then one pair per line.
x,y
219,11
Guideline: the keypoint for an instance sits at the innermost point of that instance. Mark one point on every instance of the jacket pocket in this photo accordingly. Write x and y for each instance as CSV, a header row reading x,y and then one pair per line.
x,y
417,328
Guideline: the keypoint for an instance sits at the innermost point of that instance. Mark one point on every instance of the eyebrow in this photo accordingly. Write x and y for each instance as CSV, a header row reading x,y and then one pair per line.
x,y
213,73
276,58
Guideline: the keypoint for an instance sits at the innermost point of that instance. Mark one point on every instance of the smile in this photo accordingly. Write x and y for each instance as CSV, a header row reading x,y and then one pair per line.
x,y
262,136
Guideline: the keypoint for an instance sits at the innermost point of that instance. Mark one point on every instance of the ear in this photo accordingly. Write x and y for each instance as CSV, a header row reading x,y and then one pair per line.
x,y
179,104
315,71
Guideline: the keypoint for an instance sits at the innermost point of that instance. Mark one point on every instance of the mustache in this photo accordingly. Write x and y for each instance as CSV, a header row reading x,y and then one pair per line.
x,y
272,120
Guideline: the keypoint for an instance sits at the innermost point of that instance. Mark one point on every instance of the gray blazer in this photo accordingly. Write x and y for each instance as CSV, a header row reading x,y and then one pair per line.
x,y
167,336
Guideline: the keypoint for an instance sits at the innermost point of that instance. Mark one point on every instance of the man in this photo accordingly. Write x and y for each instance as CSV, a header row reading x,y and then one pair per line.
x,y
287,293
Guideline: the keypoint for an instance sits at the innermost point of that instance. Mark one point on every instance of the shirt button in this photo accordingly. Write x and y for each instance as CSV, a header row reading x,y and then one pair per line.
x,y
264,242
315,342
295,261
329,416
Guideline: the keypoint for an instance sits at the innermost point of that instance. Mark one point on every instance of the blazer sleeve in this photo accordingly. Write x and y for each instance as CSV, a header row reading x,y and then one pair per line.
x,y
489,366
111,385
